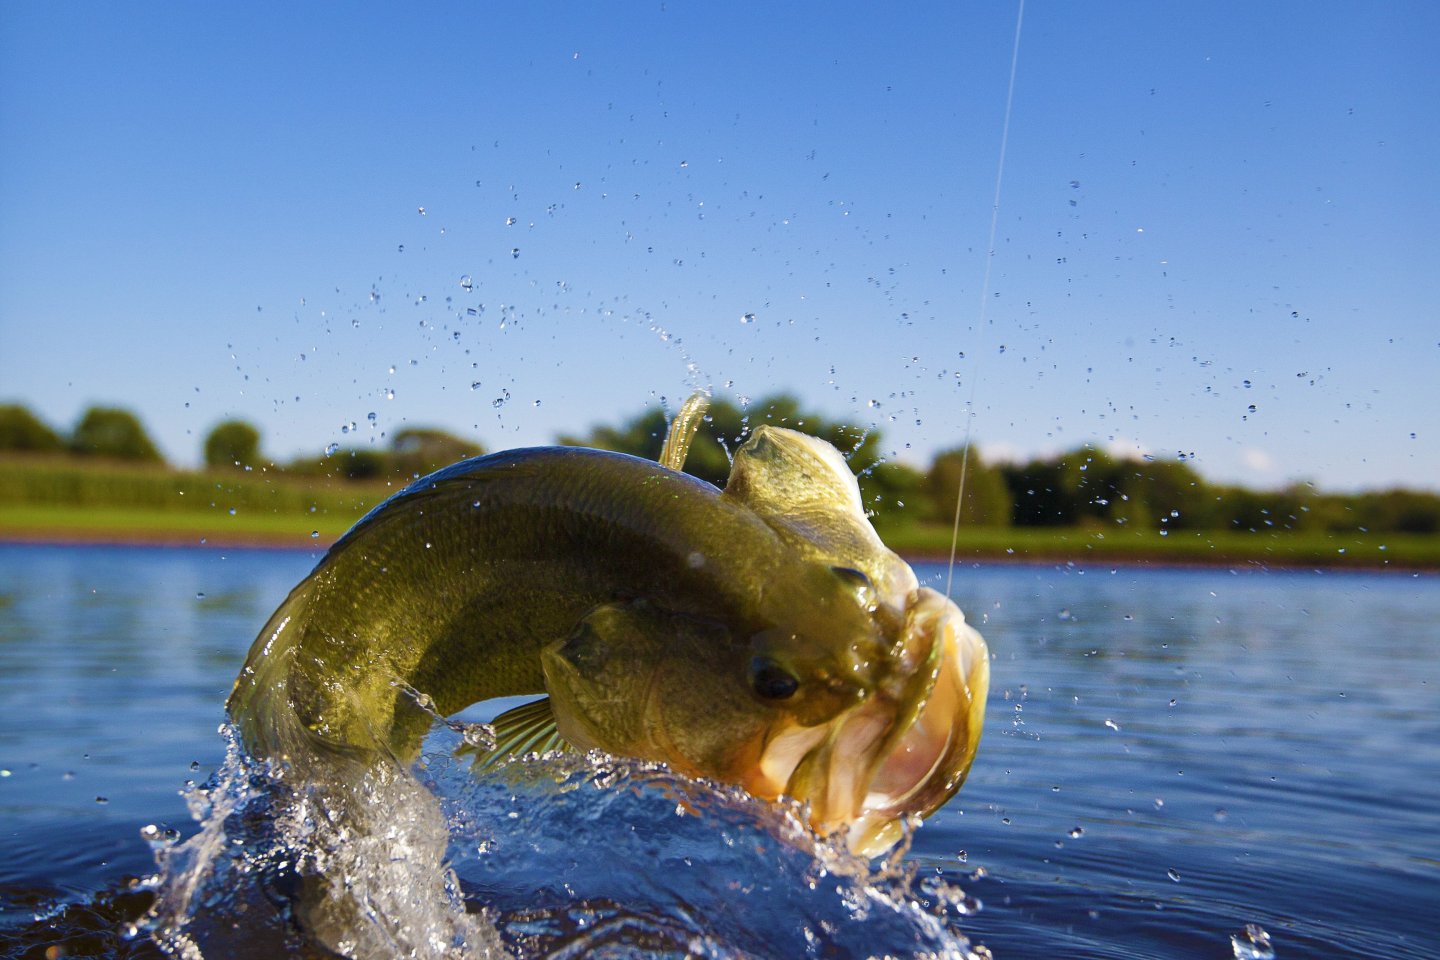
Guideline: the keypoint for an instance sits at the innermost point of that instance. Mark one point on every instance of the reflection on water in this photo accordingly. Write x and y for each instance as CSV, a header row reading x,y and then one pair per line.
x,y
1170,755
1234,747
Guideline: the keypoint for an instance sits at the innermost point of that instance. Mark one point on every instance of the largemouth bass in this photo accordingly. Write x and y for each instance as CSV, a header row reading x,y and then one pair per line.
x,y
761,635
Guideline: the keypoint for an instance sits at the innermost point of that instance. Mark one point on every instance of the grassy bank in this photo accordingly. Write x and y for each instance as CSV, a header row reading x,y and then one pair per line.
x,y
1217,548
77,500
59,499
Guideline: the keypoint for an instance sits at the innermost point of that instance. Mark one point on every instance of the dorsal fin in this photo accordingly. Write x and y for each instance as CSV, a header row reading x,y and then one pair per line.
x,y
682,431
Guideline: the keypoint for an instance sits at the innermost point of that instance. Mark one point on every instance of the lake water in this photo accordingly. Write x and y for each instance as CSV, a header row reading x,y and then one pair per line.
x,y
1169,756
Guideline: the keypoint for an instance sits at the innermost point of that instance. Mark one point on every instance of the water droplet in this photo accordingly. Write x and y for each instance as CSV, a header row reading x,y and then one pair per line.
x,y
232,511
466,283
500,401
200,596
314,534
1253,943
331,449
1113,725
1076,833
480,735
509,221
515,253
102,799
748,318
1173,874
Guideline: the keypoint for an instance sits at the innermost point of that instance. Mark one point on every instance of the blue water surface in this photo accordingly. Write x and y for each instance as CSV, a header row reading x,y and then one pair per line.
x,y
1169,755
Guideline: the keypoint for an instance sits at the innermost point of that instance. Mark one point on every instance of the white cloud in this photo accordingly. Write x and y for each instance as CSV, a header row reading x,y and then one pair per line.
x,y
1124,449
1259,461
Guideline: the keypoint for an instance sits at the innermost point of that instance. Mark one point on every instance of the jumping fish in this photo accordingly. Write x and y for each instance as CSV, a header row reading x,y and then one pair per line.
x,y
760,635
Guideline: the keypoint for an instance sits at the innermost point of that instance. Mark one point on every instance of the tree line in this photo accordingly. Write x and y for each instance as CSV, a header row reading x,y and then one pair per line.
x,y
1084,487
113,433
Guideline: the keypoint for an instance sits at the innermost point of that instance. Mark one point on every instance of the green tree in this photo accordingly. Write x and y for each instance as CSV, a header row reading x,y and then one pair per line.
x,y
987,500
1088,486
1261,511
1161,494
112,432
416,451
357,463
232,443
1074,488
22,431
894,494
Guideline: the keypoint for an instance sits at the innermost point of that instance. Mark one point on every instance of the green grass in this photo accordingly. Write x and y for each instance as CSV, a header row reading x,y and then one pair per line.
x,y
143,525
70,499
1278,548
67,498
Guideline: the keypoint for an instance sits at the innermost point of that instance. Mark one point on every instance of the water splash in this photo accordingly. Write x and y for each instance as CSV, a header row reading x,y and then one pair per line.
x,y
1253,943
555,856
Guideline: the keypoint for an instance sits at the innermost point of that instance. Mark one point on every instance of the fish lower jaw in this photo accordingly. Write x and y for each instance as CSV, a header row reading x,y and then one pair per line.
x,y
858,777
928,762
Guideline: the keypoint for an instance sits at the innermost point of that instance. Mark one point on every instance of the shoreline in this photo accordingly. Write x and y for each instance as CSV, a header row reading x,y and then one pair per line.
x,y
163,538
256,540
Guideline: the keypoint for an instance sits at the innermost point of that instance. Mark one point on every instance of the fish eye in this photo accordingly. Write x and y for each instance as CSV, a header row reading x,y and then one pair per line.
x,y
770,681
857,581
856,578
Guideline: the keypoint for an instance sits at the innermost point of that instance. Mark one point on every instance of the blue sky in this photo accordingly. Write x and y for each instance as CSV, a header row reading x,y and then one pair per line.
x,y
1216,234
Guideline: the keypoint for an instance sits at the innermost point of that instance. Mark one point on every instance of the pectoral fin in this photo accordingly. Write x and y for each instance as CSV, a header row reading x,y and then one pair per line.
x,y
529,728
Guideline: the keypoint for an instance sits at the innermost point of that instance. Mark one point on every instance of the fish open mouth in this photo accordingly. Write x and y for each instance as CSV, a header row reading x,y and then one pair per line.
x,y
905,749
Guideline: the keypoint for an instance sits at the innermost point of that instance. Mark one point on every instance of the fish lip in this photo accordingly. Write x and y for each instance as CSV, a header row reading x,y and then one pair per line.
x,y
902,752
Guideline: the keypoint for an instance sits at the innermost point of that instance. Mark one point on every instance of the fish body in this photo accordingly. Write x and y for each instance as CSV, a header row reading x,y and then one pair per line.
x,y
760,635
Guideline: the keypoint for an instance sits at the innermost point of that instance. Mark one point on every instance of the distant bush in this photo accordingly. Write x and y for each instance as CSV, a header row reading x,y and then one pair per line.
x,y
22,431
232,443
416,451
987,500
115,433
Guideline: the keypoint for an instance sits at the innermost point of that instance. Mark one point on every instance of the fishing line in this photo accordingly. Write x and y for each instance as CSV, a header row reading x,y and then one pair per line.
x,y
985,294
